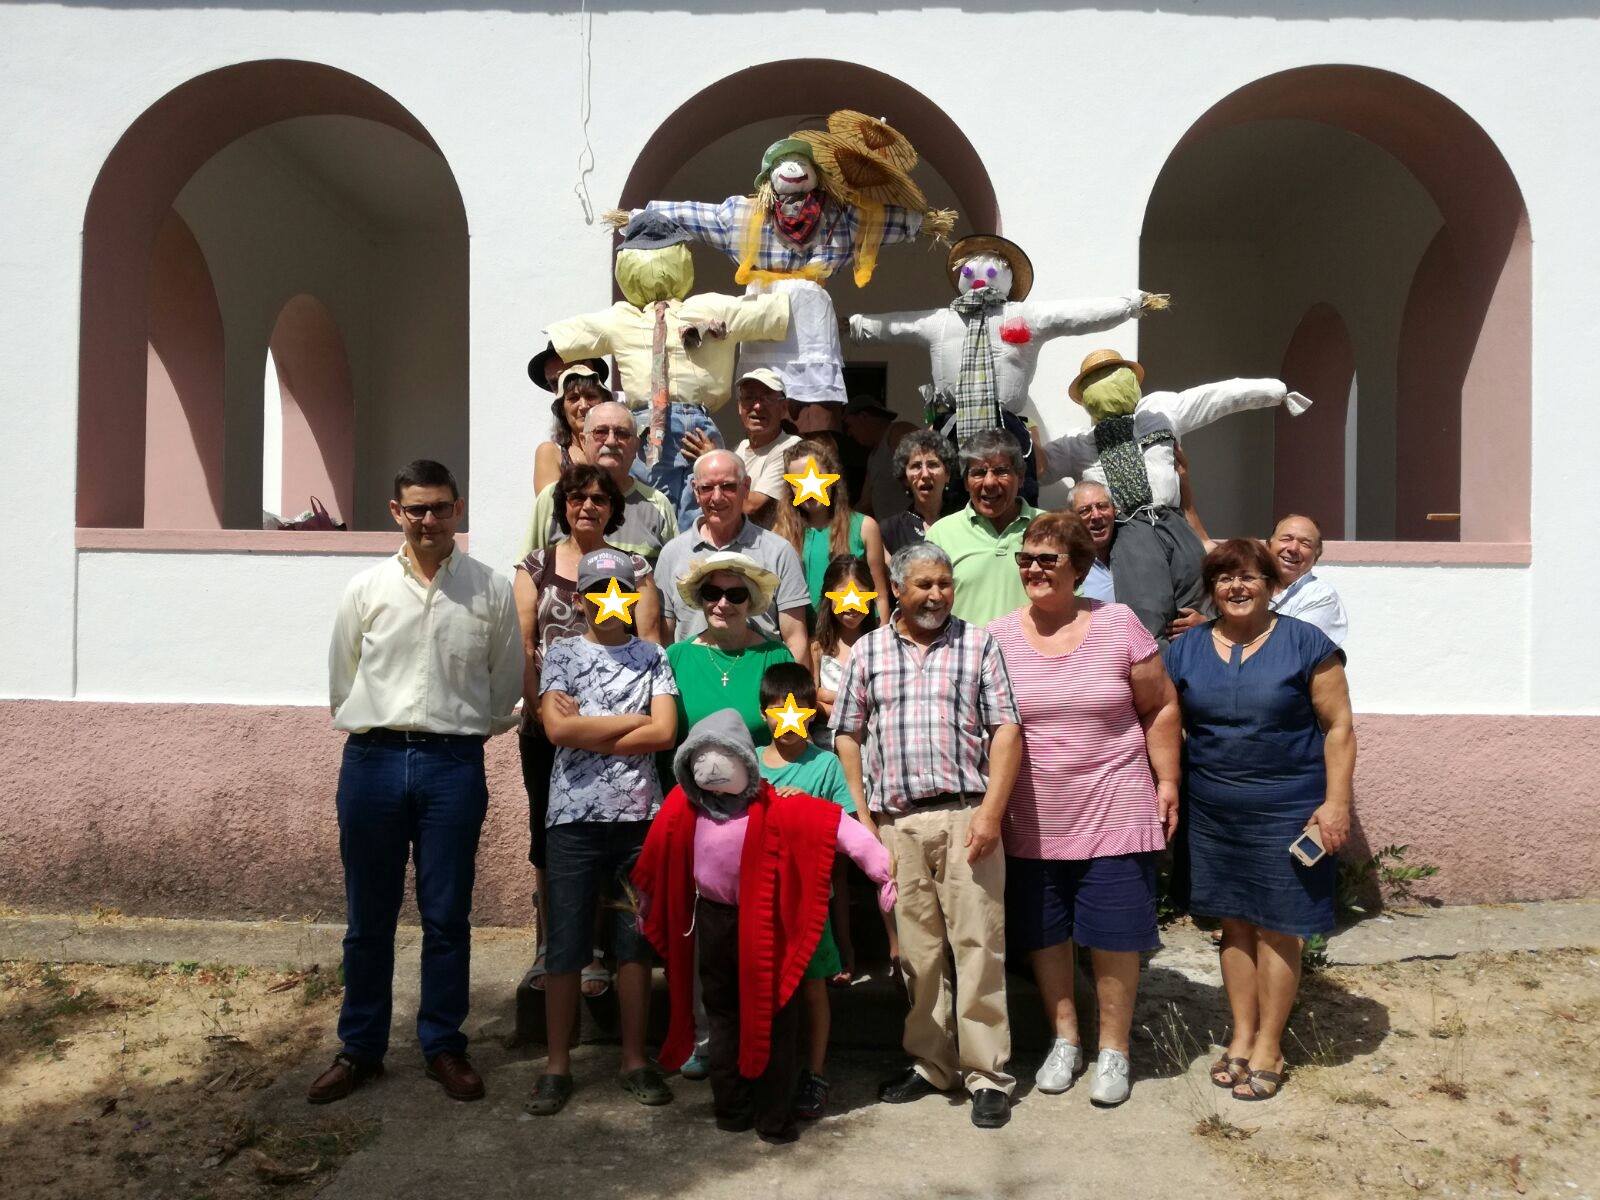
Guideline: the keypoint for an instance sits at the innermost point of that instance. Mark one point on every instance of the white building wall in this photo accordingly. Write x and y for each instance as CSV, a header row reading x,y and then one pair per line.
x,y
1073,148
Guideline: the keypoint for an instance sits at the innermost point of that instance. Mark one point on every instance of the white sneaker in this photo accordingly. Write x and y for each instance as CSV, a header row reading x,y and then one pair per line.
x,y
1111,1085
1060,1067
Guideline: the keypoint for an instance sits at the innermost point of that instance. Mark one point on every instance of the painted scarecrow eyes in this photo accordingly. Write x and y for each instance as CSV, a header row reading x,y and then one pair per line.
x,y
966,272
991,272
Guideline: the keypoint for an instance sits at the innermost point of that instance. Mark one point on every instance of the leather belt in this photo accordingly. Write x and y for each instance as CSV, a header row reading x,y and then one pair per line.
x,y
401,737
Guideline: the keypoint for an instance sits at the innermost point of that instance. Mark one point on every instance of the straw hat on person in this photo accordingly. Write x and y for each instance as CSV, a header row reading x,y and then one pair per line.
x,y
1095,360
763,583
975,244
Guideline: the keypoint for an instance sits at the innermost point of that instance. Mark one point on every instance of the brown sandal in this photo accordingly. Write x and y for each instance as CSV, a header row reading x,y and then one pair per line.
x,y
1263,1085
1229,1072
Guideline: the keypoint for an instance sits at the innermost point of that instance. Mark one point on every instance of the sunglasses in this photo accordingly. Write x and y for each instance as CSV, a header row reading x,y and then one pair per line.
x,y
710,593
599,499
1048,561
441,510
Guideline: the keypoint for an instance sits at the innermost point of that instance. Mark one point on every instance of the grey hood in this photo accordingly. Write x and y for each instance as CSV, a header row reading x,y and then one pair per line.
x,y
726,730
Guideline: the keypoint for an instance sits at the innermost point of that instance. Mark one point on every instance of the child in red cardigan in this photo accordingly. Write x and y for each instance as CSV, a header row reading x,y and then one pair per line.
x,y
745,871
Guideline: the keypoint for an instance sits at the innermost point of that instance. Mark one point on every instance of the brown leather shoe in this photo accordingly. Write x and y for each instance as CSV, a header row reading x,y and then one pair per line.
x,y
456,1075
339,1080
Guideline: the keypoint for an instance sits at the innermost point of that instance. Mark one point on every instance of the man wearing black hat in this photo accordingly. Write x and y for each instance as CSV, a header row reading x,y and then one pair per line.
x,y
874,430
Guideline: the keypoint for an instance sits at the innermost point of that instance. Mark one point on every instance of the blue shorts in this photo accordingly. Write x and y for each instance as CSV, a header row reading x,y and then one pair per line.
x,y
1101,903
586,861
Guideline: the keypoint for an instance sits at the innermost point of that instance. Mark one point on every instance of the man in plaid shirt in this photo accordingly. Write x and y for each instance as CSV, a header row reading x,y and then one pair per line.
x,y
928,696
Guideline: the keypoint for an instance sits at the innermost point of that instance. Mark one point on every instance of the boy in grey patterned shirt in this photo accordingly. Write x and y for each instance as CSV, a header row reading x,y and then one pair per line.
x,y
606,700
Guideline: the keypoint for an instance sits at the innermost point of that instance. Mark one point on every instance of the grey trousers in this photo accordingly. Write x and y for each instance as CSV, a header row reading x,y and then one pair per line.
x,y
1155,567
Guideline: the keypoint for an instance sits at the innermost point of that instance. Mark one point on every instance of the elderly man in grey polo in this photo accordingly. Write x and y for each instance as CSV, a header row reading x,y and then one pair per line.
x,y
721,486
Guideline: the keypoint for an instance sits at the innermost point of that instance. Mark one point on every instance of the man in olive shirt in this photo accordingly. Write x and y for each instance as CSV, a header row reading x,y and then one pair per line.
x,y
982,538
424,666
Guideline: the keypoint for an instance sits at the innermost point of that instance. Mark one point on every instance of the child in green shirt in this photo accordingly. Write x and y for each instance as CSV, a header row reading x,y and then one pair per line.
x,y
791,763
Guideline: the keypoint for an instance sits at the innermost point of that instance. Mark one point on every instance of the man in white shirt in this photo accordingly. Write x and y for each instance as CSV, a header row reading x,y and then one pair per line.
x,y
762,407
1098,512
1296,545
424,666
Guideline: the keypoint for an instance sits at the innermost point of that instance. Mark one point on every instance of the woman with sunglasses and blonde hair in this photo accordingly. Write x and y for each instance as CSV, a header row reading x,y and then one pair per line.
x,y
1095,799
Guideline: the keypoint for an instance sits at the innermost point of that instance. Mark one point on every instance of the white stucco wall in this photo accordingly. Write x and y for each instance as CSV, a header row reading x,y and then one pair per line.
x,y
1073,153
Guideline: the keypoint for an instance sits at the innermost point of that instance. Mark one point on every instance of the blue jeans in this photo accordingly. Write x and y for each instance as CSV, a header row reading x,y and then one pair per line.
x,y
397,801
671,475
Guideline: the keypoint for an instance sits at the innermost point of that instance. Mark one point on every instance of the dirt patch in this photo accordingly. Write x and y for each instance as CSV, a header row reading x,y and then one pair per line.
x,y
141,1080
1486,1081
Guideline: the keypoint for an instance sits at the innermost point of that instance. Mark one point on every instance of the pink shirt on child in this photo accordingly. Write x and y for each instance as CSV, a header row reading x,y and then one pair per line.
x,y
718,847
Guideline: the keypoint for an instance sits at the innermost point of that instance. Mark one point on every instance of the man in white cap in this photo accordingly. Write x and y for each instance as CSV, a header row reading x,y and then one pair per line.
x,y
762,407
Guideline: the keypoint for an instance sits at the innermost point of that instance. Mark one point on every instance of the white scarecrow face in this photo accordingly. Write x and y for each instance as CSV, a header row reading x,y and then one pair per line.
x,y
718,770
985,271
792,175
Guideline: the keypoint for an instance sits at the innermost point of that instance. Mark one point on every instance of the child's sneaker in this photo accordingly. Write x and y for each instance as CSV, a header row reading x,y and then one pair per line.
x,y
695,1067
811,1098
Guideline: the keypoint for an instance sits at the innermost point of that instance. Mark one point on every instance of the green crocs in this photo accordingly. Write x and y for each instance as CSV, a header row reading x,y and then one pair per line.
x,y
550,1095
647,1085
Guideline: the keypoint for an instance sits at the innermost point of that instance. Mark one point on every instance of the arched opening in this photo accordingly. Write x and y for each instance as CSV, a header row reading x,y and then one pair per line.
x,y
183,396
1367,192
711,147
310,394
293,178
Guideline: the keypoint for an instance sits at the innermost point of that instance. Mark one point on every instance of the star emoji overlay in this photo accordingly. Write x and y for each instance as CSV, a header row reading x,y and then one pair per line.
x,y
791,718
851,599
812,485
613,602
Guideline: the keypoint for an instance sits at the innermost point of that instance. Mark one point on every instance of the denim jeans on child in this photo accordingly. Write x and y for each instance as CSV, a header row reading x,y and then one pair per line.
x,y
400,800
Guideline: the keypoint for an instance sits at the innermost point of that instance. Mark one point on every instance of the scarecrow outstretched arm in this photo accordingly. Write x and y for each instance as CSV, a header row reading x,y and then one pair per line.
x,y
1068,318
1068,455
899,224
714,225
748,318
585,336
1200,406
917,328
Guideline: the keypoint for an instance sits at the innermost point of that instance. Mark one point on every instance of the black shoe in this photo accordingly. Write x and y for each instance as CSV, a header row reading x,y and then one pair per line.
x,y
991,1108
739,1122
906,1087
811,1097
782,1138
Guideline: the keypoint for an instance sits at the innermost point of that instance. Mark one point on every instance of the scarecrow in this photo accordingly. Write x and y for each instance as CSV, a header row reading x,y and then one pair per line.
x,y
675,352
984,345
822,198
743,870
1155,556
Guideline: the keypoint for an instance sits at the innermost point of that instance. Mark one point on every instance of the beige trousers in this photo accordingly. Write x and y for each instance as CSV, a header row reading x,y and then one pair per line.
x,y
951,921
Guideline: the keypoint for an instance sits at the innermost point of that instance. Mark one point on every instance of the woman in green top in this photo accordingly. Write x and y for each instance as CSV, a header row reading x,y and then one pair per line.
x,y
722,667
821,532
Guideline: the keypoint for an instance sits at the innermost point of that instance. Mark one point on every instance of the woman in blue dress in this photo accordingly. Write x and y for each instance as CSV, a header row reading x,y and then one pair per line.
x,y
1269,752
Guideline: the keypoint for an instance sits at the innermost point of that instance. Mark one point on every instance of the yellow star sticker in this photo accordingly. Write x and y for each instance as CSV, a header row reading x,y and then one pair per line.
x,y
814,484
613,602
851,599
791,718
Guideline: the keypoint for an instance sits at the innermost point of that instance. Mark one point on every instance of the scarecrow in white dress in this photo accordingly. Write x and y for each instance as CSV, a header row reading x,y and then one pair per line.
x,y
823,198
984,345
1155,556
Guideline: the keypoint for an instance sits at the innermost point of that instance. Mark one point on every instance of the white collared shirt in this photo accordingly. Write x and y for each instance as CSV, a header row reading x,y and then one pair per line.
x,y
1314,601
444,657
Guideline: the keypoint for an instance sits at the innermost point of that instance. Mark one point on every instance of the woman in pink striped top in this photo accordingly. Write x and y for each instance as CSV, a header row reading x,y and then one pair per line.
x,y
1096,798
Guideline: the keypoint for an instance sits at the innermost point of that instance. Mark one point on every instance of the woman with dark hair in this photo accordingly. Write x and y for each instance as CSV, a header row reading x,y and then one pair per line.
x,y
821,532
588,506
1269,755
1095,799
578,389
924,463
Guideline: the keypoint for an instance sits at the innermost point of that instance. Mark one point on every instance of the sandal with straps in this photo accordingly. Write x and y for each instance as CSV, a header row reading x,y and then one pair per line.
x,y
1229,1072
1263,1085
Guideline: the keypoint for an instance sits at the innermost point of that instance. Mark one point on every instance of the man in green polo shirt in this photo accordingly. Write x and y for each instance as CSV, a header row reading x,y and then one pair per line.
x,y
983,536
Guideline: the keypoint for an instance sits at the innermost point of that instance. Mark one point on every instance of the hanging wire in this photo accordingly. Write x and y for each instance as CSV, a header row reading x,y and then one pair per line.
x,y
585,110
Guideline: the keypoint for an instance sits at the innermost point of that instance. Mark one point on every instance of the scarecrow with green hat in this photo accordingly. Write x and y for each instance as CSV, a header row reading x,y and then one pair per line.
x,y
1129,449
823,198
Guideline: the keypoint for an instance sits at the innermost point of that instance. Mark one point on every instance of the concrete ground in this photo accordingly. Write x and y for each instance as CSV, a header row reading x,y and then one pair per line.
x,y
605,1145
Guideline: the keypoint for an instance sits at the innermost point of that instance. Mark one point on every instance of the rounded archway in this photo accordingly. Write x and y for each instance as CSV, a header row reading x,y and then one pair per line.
x,y
1368,192
202,153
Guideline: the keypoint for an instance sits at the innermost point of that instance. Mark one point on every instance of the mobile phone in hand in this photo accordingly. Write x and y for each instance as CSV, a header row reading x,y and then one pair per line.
x,y
1307,849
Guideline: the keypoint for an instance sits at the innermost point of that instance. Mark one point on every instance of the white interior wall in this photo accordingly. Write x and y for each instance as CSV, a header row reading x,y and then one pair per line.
x,y
1248,228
